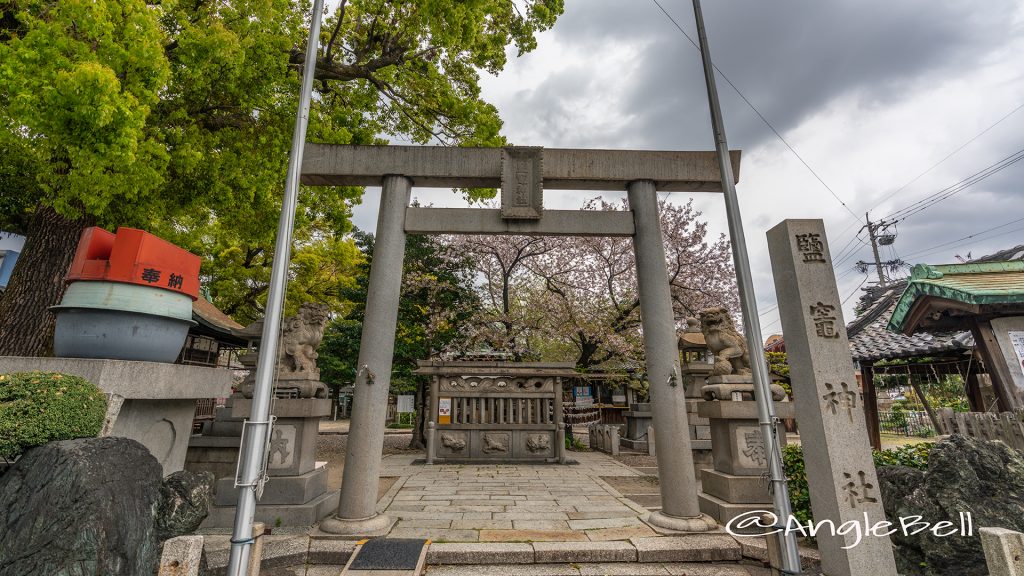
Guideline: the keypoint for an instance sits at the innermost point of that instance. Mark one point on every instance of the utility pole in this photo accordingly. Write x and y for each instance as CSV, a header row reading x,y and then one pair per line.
x,y
252,455
748,304
877,234
874,248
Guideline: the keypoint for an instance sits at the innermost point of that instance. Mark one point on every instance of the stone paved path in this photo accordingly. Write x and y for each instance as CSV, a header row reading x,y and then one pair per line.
x,y
512,503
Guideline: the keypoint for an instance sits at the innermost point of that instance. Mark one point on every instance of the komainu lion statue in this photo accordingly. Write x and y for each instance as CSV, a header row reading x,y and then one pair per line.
x,y
301,335
725,342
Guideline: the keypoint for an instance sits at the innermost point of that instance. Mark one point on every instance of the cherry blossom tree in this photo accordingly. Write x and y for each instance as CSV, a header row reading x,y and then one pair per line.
x,y
576,298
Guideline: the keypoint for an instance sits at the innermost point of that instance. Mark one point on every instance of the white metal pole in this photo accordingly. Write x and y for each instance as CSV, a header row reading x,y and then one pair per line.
x,y
254,442
748,305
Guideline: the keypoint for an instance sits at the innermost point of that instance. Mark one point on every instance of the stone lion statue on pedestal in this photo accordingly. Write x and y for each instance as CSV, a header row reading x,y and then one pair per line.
x,y
301,334
725,342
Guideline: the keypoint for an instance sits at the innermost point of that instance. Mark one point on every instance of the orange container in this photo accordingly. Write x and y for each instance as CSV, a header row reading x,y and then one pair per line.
x,y
135,257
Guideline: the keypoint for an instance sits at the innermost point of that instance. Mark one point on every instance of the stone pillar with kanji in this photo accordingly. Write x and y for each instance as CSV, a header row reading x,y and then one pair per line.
x,y
837,453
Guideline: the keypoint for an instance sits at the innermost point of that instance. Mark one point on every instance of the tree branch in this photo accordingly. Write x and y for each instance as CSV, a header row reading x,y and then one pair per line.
x,y
337,28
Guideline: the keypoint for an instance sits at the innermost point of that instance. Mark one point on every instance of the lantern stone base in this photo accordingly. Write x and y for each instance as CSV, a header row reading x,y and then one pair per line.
x,y
273,515
296,491
736,484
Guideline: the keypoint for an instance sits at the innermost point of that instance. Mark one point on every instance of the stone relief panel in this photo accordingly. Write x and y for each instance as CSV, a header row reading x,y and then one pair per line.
x,y
282,446
536,444
750,451
495,443
472,383
453,443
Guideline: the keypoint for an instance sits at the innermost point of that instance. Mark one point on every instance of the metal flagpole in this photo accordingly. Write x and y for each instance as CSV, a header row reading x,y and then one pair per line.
x,y
256,430
748,304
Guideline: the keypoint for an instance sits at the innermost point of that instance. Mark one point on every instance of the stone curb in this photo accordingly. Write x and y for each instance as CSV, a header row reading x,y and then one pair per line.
x,y
685,548
578,552
756,548
490,553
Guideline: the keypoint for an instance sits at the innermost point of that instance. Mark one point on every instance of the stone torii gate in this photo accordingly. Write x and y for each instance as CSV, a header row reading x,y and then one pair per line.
x,y
522,173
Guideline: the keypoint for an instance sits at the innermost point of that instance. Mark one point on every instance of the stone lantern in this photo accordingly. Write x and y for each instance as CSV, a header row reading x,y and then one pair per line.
x,y
696,363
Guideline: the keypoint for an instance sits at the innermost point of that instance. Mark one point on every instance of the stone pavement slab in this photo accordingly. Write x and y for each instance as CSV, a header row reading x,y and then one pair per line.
x,y
532,536
625,533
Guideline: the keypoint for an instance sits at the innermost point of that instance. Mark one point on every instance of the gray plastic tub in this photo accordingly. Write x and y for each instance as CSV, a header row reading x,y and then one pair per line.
x,y
117,335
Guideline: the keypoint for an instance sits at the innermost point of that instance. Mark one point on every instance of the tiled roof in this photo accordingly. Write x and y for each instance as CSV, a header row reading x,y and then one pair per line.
x,y
1015,253
971,283
871,341
210,315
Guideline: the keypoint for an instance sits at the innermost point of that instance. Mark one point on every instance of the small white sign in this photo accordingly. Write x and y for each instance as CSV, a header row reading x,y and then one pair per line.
x,y
444,410
405,403
584,401
1017,340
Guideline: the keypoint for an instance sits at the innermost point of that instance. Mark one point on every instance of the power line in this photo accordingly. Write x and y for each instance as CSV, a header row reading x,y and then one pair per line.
x,y
850,295
938,247
947,156
758,112
949,191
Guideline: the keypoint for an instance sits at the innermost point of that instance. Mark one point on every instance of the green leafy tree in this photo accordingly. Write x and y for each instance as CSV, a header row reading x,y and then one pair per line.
x,y
435,312
177,118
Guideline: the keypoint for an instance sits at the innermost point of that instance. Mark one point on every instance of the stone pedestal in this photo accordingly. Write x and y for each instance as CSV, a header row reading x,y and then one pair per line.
x,y
638,420
296,493
738,483
158,400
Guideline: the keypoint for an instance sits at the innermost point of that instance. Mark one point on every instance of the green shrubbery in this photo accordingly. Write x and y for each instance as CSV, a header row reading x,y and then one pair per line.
x,y
911,455
39,407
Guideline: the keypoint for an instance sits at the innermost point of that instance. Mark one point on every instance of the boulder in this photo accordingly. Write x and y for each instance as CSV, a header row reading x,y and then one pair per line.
x,y
185,500
982,478
80,507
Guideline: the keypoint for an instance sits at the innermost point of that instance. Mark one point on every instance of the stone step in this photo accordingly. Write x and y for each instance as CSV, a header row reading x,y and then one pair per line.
x,y
685,548
649,555
597,569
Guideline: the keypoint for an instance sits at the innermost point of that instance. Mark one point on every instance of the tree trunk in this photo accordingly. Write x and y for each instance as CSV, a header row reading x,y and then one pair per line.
x,y
915,384
417,429
26,324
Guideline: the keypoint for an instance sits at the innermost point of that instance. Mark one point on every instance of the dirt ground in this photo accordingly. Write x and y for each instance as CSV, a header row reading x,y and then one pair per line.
x,y
331,448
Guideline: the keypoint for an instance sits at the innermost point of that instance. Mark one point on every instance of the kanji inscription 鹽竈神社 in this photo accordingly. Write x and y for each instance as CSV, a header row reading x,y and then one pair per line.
x,y
858,490
840,398
824,317
810,247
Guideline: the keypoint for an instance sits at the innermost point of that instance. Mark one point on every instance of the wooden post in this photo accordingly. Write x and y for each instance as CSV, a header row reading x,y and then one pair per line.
x,y
1002,382
867,372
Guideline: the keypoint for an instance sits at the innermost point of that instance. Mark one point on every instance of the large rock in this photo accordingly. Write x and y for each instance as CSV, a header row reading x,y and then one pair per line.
x,y
80,507
185,500
984,479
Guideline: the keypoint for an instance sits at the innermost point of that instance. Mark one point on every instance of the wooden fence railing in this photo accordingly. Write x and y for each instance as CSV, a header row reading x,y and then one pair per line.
x,y
1005,426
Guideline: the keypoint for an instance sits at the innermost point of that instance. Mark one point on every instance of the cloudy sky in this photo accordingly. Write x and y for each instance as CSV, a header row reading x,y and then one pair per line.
x,y
883,100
